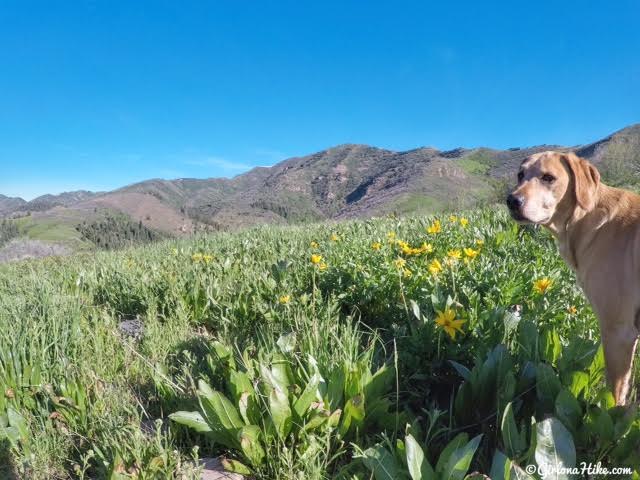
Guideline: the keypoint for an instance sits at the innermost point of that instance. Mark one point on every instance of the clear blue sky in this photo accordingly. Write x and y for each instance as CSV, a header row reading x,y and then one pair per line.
x,y
98,94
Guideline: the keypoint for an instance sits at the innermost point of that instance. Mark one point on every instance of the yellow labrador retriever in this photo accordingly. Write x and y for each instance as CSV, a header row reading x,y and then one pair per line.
x,y
597,229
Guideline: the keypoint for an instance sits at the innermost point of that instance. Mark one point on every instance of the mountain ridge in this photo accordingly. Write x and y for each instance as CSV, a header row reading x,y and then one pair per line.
x,y
340,182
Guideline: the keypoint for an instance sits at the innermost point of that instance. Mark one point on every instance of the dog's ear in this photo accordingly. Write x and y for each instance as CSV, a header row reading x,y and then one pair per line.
x,y
586,179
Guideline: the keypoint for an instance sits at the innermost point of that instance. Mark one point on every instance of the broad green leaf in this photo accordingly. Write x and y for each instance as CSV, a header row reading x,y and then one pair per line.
x,y
500,465
555,449
457,442
568,409
381,462
379,384
235,466
249,439
307,397
418,465
280,412
550,346
460,460
547,387
192,420
513,441
353,415
287,343
463,371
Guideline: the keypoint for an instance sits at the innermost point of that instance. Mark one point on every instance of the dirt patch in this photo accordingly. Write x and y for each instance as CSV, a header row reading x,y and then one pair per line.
x,y
23,249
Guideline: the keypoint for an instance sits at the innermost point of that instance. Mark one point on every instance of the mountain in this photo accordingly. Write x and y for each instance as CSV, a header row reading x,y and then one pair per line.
x,y
346,181
10,204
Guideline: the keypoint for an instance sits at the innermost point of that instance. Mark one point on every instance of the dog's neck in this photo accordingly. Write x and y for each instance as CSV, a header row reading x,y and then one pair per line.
x,y
569,225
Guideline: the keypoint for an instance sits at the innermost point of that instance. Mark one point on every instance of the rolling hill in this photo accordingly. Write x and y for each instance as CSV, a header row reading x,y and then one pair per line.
x,y
346,181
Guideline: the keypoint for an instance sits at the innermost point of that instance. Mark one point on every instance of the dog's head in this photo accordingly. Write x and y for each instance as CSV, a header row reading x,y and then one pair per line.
x,y
551,183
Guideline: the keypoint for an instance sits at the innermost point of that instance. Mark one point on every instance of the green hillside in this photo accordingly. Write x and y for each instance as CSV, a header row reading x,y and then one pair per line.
x,y
440,346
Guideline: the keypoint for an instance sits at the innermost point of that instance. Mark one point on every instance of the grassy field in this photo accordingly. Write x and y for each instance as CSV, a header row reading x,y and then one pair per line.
x,y
417,348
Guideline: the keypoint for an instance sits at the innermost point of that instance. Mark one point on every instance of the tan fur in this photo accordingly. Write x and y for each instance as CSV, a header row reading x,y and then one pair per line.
x,y
597,229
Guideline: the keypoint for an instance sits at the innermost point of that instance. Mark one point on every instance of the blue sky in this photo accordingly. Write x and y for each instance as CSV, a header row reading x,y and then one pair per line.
x,y
99,94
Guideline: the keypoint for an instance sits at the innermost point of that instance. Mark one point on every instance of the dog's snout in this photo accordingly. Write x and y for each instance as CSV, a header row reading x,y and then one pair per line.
x,y
514,202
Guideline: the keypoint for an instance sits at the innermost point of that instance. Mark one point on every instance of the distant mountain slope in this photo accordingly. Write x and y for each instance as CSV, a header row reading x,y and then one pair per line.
x,y
345,181
10,204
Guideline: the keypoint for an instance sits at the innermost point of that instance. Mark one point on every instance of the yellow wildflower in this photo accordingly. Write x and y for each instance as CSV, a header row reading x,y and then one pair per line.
x,y
572,310
426,247
284,299
471,253
334,237
542,285
314,244
391,236
322,266
316,259
447,320
479,242
400,262
207,258
376,246
453,218
435,267
464,222
197,257
454,254
402,244
435,227
406,273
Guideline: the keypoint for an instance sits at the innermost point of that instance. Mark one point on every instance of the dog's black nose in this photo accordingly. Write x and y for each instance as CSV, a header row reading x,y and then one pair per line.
x,y
514,202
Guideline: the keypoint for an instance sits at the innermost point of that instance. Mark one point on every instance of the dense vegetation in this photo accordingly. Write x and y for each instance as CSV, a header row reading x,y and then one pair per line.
x,y
115,231
8,231
413,348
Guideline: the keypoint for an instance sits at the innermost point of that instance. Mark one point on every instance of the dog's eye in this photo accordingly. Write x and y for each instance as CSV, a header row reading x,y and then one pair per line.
x,y
520,176
548,178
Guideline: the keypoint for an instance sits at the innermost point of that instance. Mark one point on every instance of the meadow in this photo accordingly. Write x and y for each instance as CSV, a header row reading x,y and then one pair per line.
x,y
444,347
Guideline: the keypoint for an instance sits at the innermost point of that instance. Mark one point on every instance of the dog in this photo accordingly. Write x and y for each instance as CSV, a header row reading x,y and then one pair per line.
x,y
597,230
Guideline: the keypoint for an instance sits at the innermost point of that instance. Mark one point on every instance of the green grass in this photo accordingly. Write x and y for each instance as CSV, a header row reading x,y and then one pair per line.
x,y
54,229
79,400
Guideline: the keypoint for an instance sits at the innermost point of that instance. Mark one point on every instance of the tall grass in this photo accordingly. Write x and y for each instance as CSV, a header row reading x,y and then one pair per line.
x,y
79,397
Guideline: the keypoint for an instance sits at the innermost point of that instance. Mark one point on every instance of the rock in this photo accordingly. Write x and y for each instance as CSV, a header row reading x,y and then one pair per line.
x,y
213,470
132,328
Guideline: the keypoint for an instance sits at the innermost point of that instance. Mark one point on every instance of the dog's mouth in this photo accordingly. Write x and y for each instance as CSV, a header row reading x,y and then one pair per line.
x,y
518,217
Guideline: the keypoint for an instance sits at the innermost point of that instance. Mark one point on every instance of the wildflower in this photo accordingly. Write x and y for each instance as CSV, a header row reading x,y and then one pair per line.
x,y
207,259
314,244
391,236
376,246
316,259
447,320
196,257
426,247
542,285
454,254
572,310
471,253
479,242
435,267
322,267
453,218
400,262
284,299
406,273
334,237
435,227
464,222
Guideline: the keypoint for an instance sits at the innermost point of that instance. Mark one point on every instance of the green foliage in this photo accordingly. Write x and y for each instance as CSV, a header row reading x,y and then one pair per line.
x,y
8,231
261,347
116,231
